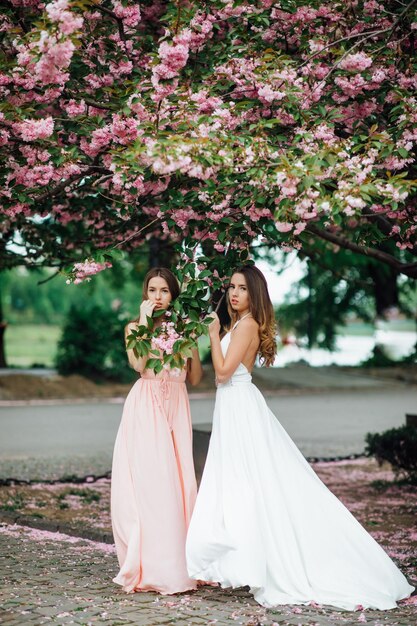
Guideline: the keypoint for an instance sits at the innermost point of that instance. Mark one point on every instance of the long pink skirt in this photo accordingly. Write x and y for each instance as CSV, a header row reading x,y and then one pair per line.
x,y
153,485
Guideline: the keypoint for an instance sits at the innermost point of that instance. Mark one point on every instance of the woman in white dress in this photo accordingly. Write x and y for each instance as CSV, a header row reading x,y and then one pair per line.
x,y
263,518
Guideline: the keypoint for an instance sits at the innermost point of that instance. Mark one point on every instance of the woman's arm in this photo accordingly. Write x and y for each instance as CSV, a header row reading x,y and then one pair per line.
x,y
242,338
194,369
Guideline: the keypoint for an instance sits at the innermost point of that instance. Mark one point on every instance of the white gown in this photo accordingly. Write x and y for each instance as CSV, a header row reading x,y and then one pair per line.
x,y
263,518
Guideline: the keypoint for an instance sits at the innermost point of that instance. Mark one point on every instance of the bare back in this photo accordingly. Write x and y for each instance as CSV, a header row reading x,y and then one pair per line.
x,y
244,331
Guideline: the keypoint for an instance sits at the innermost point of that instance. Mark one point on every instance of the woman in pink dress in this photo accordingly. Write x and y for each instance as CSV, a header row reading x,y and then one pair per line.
x,y
153,480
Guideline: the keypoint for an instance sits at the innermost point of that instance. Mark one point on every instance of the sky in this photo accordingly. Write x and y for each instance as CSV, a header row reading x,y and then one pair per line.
x,y
280,284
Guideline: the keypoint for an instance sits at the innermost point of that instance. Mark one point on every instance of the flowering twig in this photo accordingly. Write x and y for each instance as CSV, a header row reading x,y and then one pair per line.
x,y
136,233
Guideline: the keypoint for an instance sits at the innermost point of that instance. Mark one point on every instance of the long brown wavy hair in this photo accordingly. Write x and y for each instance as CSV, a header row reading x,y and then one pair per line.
x,y
260,306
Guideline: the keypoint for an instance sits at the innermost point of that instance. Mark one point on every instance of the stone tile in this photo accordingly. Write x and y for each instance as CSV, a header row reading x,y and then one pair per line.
x,y
53,580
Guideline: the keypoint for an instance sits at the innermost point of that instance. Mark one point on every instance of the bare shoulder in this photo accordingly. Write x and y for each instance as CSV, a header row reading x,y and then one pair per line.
x,y
247,326
130,326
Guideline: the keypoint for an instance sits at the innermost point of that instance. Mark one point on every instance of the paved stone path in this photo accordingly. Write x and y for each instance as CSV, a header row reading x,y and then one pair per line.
x,y
48,578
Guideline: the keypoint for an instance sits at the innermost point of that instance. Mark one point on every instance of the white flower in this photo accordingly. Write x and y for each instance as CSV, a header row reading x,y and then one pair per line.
x,y
356,203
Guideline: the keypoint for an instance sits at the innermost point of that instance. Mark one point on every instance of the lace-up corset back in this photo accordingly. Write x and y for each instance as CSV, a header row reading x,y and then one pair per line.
x,y
241,374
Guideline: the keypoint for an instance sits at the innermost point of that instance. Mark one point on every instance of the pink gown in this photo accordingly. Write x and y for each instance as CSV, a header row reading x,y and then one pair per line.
x,y
153,487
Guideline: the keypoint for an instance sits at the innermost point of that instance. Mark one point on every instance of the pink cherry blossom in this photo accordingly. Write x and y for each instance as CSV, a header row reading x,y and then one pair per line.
x,y
74,108
32,129
299,227
166,338
268,95
356,62
284,227
83,271
173,56
129,14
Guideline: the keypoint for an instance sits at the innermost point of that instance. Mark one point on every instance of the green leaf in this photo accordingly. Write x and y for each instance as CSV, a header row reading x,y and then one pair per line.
x,y
153,364
193,315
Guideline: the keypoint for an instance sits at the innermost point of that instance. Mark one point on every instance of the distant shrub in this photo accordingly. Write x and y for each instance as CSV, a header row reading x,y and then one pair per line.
x,y
92,344
379,359
411,358
398,446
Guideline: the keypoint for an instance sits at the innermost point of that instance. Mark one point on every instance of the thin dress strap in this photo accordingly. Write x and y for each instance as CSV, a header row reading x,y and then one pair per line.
x,y
242,318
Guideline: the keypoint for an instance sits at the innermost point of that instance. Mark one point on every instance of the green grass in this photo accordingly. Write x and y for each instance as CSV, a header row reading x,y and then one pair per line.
x,y
29,344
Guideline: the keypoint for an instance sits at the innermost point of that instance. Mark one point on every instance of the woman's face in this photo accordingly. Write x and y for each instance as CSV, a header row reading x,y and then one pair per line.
x,y
238,294
158,292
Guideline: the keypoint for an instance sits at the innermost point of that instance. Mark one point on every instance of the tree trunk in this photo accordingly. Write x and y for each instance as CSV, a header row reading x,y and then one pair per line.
x,y
161,253
3,326
385,289
311,335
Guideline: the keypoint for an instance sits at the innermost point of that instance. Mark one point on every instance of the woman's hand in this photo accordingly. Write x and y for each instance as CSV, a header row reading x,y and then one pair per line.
x,y
146,310
214,327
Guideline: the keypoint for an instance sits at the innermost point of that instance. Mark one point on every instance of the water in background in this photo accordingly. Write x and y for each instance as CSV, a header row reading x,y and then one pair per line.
x,y
350,349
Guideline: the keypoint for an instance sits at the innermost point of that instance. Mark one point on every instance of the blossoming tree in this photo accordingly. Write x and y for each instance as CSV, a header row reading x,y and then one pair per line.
x,y
222,122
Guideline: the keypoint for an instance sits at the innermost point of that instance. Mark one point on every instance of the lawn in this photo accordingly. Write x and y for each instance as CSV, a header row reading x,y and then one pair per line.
x,y
31,344
36,344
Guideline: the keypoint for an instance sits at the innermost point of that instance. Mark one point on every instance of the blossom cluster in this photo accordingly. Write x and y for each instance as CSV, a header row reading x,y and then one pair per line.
x,y
85,270
217,125
166,338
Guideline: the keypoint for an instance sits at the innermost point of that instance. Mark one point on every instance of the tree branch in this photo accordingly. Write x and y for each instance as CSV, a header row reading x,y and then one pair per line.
x,y
97,105
408,269
46,280
384,226
113,15
52,192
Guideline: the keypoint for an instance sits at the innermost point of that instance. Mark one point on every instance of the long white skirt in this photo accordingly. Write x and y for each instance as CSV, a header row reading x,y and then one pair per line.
x,y
263,518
